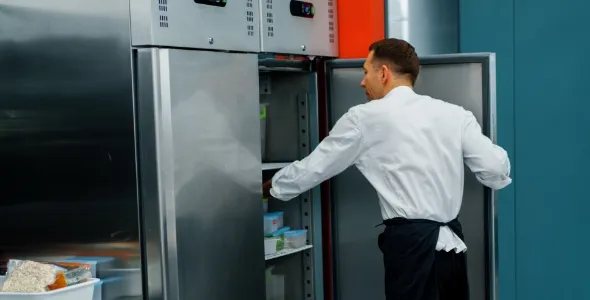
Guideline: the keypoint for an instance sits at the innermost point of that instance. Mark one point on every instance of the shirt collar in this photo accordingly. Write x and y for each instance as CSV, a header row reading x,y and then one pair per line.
x,y
399,91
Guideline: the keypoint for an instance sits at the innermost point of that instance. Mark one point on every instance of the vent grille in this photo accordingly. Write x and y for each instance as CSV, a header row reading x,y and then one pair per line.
x,y
331,34
163,9
250,17
269,19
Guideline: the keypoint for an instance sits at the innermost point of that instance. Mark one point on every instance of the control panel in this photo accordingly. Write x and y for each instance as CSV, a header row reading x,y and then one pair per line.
x,y
302,9
231,25
219,3
299,27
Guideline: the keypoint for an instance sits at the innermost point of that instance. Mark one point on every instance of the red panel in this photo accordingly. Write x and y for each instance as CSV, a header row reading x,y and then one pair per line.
x,y
360,23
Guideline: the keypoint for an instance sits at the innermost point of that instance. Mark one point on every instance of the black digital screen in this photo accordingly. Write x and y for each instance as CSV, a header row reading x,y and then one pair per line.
x,y
302,9
218,3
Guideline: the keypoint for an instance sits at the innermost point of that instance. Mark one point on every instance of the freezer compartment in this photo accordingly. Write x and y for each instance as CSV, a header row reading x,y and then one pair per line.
x,y
286,95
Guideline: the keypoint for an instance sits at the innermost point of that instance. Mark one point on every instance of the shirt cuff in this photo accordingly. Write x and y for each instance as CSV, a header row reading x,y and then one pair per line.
x,y
276,193
499,184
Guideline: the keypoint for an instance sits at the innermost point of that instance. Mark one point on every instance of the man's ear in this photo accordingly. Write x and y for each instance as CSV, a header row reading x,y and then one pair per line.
x,y
383,73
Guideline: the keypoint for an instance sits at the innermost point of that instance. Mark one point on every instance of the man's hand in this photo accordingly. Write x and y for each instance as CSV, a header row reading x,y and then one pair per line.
x,y
266,189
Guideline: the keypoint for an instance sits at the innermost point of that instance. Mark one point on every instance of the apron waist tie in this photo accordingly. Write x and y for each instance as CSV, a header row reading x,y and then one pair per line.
x,y
454,224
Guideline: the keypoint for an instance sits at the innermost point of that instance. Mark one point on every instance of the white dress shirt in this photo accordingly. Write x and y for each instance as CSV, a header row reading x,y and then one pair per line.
x,y
412,149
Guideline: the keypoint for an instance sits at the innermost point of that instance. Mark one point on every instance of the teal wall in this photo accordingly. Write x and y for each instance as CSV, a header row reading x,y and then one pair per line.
x,y
543,83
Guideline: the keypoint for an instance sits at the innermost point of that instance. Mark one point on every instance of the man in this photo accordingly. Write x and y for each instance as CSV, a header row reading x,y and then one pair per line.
x,y
412,149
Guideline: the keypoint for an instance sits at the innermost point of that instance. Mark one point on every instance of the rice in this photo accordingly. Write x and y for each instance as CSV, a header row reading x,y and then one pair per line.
x,y
29,277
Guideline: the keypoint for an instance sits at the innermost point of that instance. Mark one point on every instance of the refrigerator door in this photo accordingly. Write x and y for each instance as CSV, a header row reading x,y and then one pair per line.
x,y
198,24
463,79
199,168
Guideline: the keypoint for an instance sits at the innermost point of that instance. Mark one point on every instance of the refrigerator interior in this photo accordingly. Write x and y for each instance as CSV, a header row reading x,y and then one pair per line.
x,y
288,90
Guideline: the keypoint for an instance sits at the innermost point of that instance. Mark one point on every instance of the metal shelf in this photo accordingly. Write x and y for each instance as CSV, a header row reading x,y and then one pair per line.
x,y
286,252
274,166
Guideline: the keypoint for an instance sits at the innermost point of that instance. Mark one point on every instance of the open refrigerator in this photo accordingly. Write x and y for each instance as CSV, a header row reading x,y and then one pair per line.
x,y
160,119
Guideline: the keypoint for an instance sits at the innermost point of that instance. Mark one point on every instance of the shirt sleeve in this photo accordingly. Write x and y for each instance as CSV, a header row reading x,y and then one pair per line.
x,y
488,161
333,155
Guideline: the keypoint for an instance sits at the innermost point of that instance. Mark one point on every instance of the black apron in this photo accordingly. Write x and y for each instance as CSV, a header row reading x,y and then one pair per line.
x,y
409,250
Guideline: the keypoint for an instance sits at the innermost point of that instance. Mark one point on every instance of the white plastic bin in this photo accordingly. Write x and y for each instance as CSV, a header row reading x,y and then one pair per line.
x,y
82,291
296,238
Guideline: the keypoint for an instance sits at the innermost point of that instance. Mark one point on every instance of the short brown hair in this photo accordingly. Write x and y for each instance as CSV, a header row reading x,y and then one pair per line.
x,y
399,54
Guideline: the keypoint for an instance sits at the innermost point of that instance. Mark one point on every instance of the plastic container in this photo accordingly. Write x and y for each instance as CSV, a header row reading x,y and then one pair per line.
x,y
280,214
97,263
97,291
271,223
111,288
275,241
273,245
295,238
129,281
279,233
82,291
263,107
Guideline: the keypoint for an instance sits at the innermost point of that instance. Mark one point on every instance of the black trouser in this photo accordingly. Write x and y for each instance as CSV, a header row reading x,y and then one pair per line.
x,y
414,270
450,273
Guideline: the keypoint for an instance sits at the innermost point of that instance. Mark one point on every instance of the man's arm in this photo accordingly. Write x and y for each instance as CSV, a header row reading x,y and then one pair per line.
x,y
489,162
333,155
